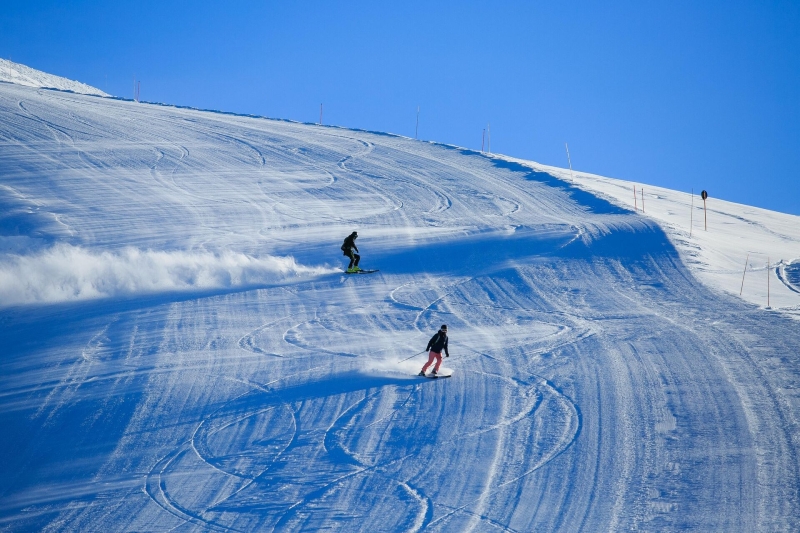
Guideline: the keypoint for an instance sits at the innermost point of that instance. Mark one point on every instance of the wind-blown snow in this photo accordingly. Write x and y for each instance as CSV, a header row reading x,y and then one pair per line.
x,y
23,75
176,353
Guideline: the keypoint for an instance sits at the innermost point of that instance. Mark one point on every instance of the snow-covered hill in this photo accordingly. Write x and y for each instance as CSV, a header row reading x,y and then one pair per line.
x,y
181,350
746,251
23,75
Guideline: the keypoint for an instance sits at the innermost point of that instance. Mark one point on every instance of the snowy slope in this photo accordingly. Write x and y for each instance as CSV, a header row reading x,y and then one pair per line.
x,y
180,350
730,247
19,74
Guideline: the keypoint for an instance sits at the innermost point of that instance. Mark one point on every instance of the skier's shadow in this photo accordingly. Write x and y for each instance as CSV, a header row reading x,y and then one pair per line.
x,y
339,384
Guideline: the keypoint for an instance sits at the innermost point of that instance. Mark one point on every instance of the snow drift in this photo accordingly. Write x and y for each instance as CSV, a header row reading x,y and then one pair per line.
x,y
23,75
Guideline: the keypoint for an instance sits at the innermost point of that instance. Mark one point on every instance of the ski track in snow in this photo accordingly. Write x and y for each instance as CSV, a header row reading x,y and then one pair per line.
x,y
597,385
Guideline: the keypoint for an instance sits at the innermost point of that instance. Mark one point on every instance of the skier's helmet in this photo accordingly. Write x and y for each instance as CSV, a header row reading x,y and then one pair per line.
x,y
354,234
444,327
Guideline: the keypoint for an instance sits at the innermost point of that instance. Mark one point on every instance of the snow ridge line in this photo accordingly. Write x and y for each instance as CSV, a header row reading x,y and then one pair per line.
x,y
784,276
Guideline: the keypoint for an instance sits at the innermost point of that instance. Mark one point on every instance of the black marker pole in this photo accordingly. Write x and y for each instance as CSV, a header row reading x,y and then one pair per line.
x,y
704,195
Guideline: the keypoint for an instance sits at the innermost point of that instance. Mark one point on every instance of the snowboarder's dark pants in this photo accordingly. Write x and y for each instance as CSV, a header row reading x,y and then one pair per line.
x,y
354,258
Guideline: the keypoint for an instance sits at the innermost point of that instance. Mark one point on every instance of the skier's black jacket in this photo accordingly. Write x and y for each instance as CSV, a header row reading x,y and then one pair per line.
x,y
348,244
437,342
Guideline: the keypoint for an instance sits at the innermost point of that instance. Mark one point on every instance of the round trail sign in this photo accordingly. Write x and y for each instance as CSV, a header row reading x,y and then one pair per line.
x,y
704,195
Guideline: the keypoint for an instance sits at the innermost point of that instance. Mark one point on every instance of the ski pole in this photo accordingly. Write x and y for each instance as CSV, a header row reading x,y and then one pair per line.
x,y
416,354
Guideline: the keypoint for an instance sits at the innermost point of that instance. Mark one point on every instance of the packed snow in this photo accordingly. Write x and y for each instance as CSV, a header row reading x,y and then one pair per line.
x,y
19,74
182,351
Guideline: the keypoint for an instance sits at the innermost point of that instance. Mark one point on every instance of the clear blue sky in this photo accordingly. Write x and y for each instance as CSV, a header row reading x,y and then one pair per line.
x,y
680,94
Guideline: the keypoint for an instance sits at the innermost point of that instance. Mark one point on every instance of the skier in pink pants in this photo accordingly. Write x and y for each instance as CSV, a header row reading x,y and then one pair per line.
x,y
435,345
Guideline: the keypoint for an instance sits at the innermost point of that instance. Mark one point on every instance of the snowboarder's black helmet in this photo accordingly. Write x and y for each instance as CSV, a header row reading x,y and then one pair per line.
x,y
444,327
354,234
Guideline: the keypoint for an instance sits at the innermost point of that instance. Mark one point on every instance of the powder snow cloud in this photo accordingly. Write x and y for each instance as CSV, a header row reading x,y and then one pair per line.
x,y
65,273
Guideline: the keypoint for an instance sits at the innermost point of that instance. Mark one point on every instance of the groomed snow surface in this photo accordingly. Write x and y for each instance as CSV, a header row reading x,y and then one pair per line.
x,y
181,351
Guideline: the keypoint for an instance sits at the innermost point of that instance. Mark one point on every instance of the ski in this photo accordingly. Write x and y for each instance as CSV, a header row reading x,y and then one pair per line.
x,y
362,271
436,377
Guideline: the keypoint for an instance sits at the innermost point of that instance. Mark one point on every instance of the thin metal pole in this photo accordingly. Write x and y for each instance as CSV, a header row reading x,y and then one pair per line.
x,y
569,160
483,139
635,204
691,214
416,130
642,199
320,114
407,358
743,273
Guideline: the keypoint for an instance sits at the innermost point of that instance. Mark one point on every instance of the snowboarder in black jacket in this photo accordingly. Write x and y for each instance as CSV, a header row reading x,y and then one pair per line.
x,y
435,345
348,246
